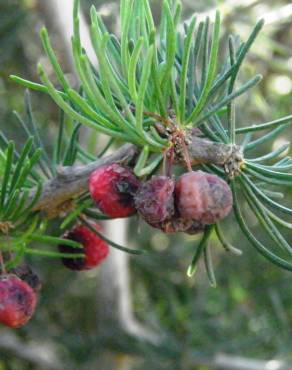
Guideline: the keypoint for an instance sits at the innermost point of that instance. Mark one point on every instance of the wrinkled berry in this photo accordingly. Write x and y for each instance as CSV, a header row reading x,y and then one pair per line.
x,y
154,200
94,248
202,197
17,301
113,187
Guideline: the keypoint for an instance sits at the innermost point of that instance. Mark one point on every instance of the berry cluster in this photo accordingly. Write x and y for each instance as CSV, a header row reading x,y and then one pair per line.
x,y
187,204
194,200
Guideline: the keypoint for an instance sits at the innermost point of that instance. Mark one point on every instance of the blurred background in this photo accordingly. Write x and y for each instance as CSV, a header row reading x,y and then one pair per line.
x,y
144,312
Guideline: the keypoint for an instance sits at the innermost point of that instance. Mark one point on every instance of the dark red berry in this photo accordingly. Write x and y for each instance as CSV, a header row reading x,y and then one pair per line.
x,y
17,301
202,197
154,200
94,248
113,187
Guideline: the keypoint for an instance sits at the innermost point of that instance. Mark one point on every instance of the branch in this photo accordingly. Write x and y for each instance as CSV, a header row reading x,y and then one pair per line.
x,y
73,181
206,151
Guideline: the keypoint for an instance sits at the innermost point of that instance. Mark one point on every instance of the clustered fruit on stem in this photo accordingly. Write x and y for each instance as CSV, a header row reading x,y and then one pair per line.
x,y
194,200
186,204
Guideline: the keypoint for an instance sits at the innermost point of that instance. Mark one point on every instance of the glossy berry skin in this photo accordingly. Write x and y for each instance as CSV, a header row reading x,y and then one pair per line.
x,y
94,248
113,187
17,301
154,200
202,197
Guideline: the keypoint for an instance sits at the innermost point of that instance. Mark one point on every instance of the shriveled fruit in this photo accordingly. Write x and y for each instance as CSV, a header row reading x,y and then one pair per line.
x,y
112,187
154,200
17,301
94,248
202,197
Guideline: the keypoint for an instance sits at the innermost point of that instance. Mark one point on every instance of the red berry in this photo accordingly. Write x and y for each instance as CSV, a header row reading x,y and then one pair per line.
x,y
94,248
113,187
202,197
17,301
154,199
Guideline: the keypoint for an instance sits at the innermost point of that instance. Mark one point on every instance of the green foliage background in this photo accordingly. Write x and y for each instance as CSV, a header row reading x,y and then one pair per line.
x,y
249,314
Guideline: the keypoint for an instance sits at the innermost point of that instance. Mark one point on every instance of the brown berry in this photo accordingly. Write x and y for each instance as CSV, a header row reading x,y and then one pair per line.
x,y
202,197
154,199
